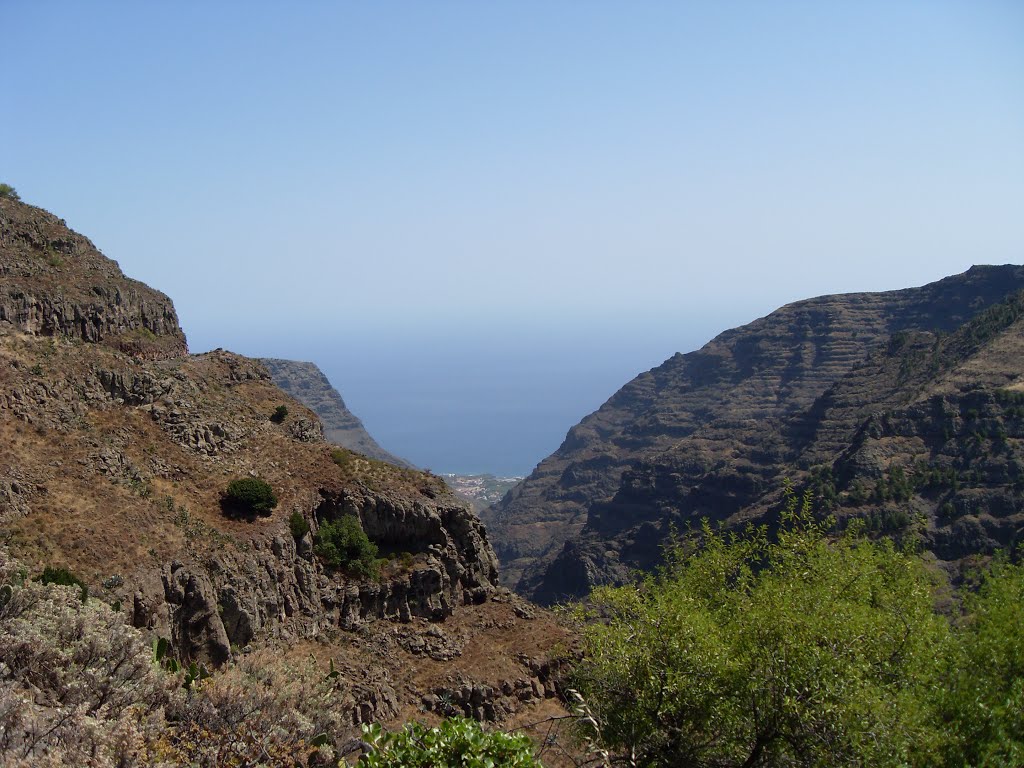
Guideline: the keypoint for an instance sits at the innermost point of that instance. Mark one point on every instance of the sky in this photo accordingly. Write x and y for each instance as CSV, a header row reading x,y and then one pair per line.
x,y
481,219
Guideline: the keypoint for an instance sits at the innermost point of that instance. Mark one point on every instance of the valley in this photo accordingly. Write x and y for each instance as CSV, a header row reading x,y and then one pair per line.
x,y
235,515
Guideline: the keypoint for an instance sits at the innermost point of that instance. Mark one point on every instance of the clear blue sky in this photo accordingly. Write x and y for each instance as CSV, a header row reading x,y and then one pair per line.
x,y
589,186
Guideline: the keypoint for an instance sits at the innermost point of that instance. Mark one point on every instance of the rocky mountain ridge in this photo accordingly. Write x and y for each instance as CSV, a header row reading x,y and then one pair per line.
x,y
308,384
713,433
117,447
53,282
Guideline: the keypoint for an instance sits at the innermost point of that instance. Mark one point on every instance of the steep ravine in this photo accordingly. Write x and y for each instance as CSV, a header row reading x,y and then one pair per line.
x,y
308,384
706,434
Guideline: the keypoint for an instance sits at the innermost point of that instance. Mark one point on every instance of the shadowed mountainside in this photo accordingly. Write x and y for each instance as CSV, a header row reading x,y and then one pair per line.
x,y
308,384
714,433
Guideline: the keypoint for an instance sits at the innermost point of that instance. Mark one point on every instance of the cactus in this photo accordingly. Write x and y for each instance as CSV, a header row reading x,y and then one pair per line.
x,y
160,647
195,673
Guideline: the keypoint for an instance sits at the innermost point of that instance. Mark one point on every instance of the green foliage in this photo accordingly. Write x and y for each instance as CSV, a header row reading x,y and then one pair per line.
x,y
194,673
887,520
280,414
982,703
895,486
298,524
63,577
161,646
455,742
249,495
797,651
341,457
822,487
6,190
343,544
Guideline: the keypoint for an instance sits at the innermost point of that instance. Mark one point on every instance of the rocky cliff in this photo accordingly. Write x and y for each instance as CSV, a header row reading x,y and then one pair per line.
x,y
308,384
715,432
116,447
53,282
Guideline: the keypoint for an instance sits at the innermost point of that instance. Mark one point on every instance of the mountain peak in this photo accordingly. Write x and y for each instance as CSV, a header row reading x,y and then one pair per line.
x,y
56,283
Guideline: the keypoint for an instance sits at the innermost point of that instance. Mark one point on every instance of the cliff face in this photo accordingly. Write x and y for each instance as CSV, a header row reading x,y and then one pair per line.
x,y
116,447
307,384
713,433
55,283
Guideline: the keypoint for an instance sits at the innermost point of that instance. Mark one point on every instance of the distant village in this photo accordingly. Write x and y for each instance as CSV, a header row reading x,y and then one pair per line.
x,y
480,490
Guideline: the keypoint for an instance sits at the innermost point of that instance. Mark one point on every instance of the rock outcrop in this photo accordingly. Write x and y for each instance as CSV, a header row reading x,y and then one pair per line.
x,y
53,282
308,384
712,434
116,448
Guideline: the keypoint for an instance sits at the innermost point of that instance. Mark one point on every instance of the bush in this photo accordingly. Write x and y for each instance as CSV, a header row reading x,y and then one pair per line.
x,y
800,651
64,578
6,190
298,524
343,544
248,496
457,741
982,697
280,414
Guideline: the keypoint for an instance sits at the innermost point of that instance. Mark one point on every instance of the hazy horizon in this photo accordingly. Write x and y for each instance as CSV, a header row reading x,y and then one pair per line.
x,y
482,219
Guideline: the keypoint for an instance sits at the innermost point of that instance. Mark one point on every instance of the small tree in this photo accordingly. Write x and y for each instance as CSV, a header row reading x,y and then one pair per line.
x,y
6,190
343,544
298,525
798,651
280,414
249,495
983,696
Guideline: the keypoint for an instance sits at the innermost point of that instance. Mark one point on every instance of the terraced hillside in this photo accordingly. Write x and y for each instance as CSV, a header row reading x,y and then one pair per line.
x,y
734,410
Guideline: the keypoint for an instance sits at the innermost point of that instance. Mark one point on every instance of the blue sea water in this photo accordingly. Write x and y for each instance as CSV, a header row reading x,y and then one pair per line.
x,y
479,401
482,404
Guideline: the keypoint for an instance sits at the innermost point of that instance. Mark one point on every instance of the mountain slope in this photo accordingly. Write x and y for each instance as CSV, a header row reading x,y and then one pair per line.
x,y
729,410
308,384
116,448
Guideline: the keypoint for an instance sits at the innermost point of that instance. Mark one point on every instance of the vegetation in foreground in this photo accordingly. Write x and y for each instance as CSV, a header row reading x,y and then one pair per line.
x,y
796,650
804,650
455,742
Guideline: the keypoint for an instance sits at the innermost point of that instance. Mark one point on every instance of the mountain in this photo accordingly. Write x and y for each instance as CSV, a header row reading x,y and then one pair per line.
x,y
308,384
869,399
116,450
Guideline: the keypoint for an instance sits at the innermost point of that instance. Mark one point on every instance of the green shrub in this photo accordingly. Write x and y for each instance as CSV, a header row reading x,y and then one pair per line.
x,y
298,524
249,495
455,742
343,544
982,695
6,190
280,414
64,578
805,650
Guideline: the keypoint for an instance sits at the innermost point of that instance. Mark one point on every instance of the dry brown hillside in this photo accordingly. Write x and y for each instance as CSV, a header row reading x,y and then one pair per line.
x,y
116,446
